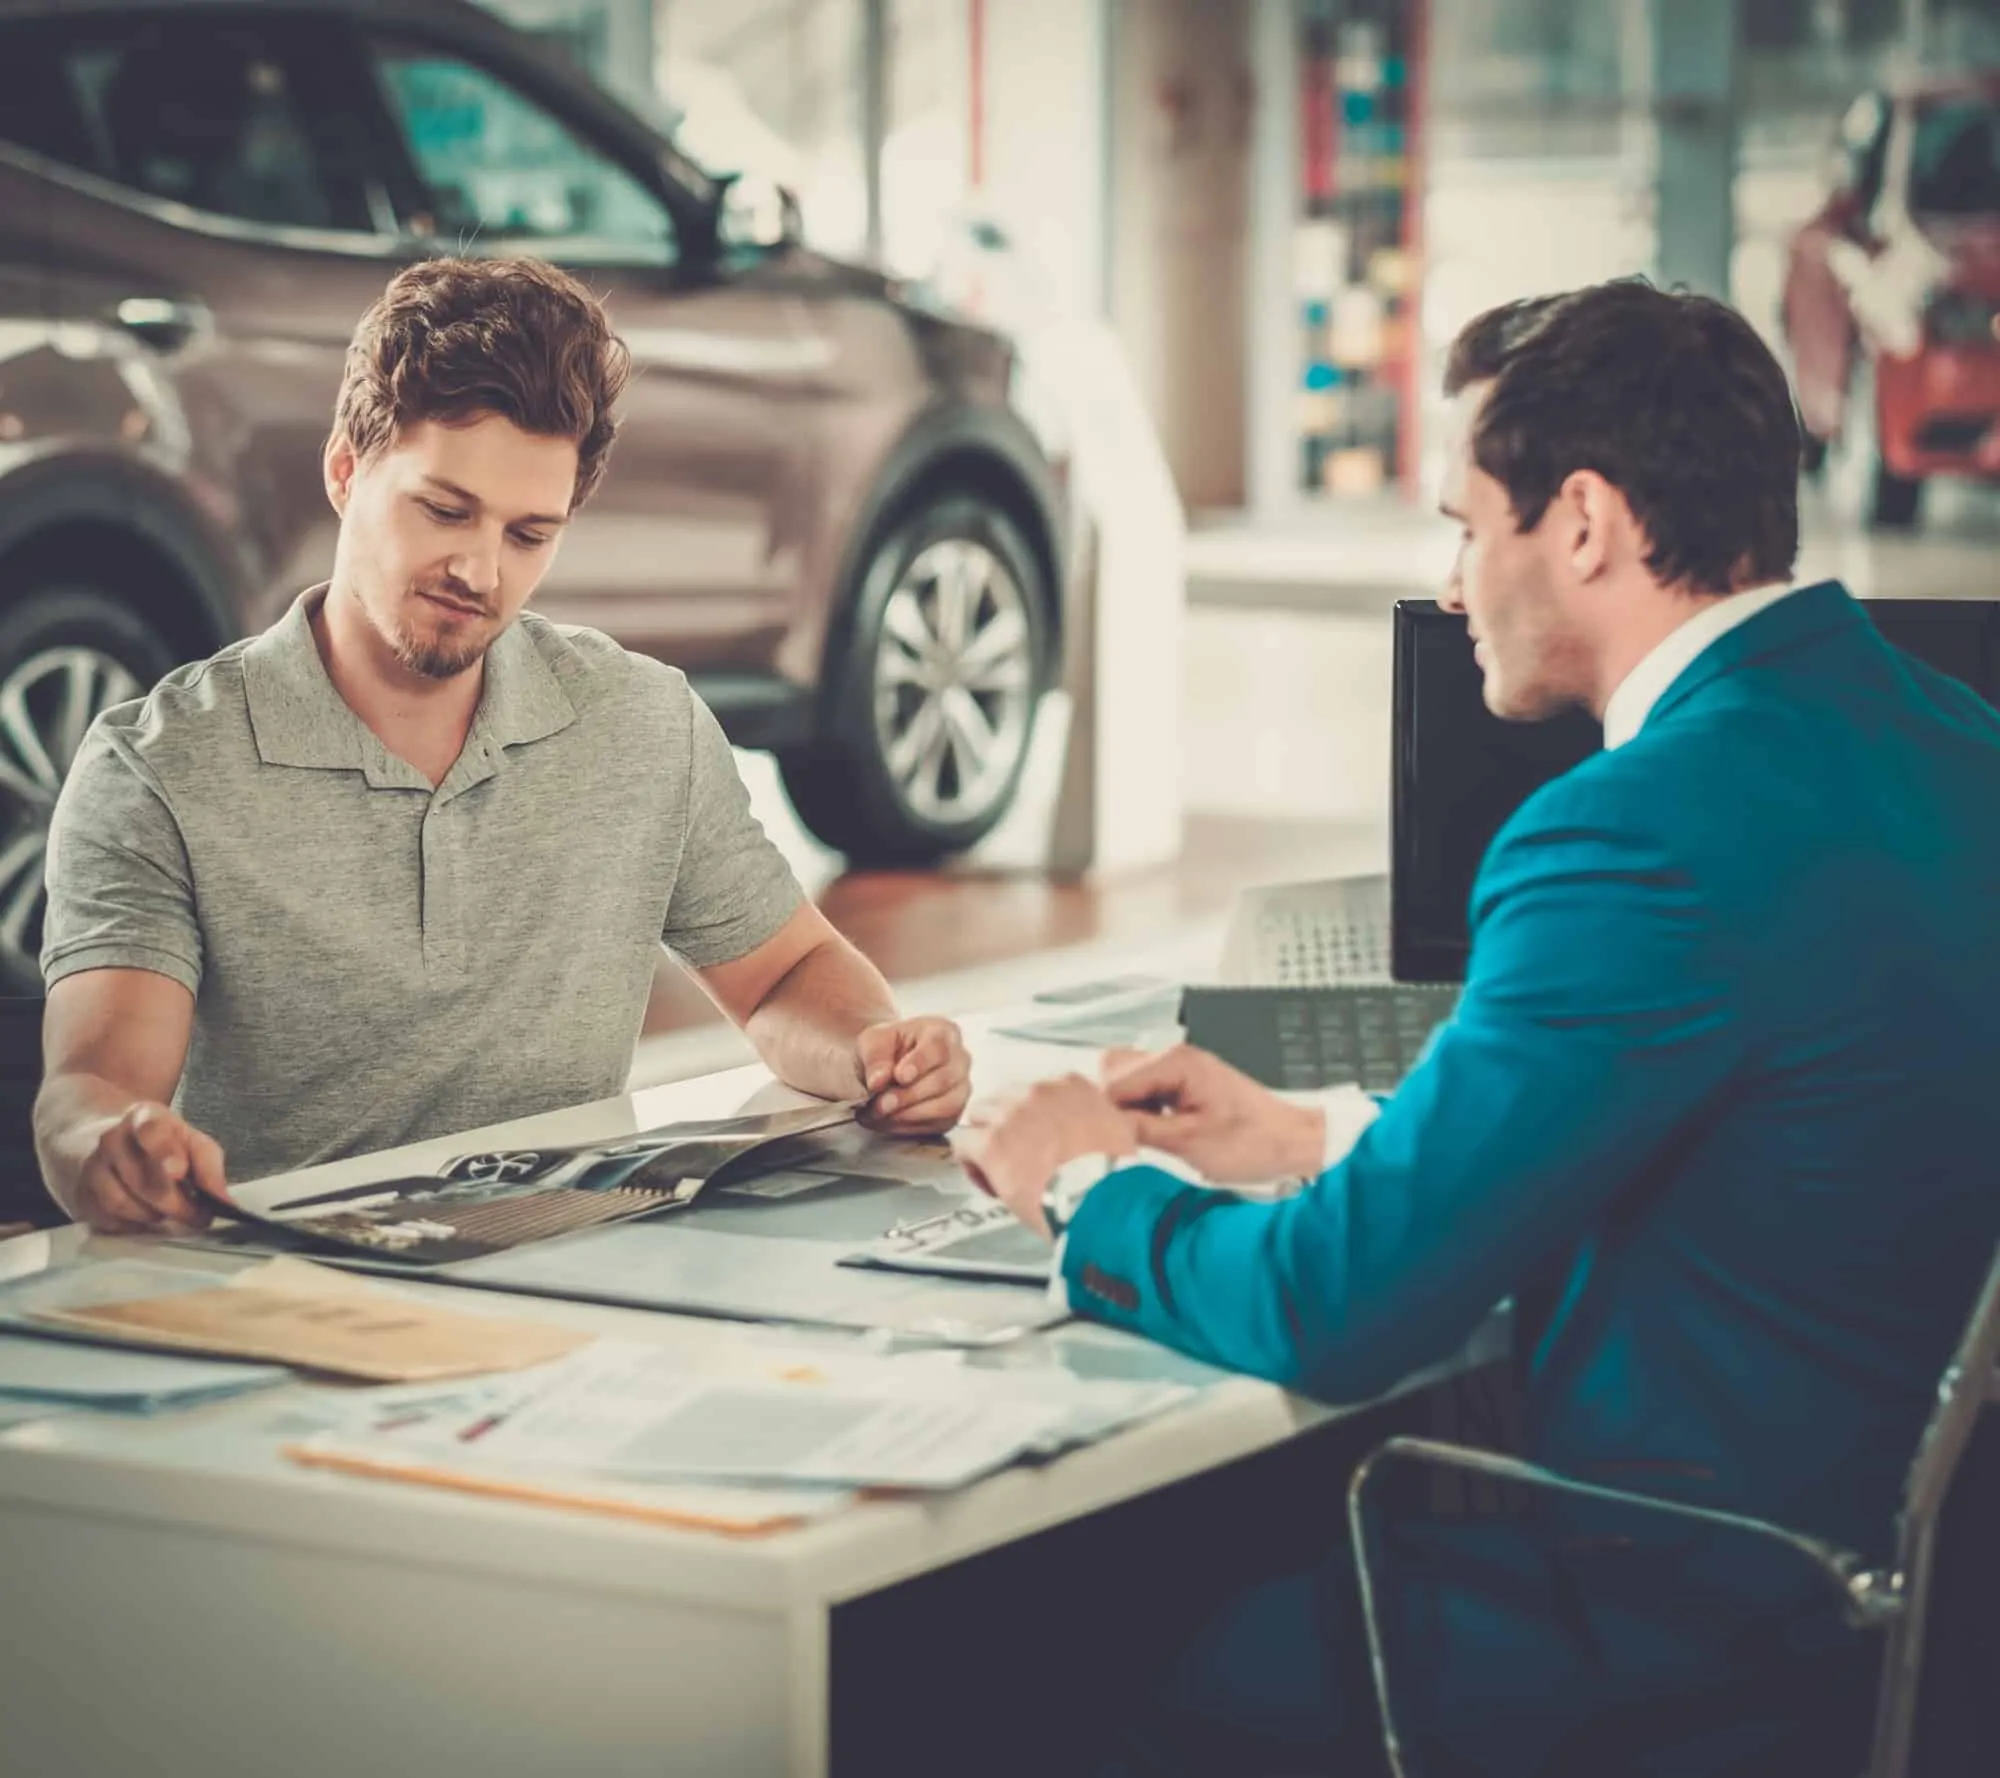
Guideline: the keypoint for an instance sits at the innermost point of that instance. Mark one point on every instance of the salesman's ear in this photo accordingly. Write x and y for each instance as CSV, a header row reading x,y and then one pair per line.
x,y
1595,521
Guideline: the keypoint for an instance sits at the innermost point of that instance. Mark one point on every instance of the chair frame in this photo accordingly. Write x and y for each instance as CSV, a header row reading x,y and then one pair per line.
x,y
1894,1599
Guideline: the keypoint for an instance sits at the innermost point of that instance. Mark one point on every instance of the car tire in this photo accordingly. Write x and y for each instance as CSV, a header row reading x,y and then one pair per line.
x,y
68,651
1864,490
928,707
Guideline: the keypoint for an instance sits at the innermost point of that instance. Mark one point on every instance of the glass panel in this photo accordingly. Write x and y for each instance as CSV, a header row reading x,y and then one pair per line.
x,y
38,105
503,172
1955,160
197,114
773,87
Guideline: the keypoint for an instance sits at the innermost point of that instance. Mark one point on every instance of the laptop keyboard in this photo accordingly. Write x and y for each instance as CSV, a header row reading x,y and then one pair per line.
x,y
1301,1039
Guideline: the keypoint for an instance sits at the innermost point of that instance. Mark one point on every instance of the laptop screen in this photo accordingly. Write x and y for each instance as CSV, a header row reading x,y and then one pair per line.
x,y
1458,771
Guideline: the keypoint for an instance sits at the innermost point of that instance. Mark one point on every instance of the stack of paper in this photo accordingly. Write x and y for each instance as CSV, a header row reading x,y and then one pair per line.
x,y
636,1414
44,1373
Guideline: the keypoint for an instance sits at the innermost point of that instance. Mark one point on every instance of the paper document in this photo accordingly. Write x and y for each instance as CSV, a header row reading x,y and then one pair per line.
x,y
974,1240
645,1413
1139,1020
731,1511
292,1312
67,1371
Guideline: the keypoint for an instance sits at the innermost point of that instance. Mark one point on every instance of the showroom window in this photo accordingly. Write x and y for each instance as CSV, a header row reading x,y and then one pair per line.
x,y
502,170
1955,160
206,115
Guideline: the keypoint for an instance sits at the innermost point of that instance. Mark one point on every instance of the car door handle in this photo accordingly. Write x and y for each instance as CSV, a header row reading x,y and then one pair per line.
x,y
162,321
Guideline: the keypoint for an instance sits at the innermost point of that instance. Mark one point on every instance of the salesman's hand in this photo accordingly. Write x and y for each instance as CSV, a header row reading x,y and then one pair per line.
x,y
917,1076
1194,1106
141,1174
1011,1148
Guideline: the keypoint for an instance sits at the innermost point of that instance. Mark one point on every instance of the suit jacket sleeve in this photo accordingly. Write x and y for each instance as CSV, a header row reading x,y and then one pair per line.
x,y
1596,1023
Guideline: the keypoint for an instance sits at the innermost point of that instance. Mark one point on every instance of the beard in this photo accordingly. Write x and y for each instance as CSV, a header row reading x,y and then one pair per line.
x,y
444,653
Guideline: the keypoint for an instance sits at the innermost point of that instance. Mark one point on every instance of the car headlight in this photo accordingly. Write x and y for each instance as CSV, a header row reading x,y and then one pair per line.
x,y
1958,318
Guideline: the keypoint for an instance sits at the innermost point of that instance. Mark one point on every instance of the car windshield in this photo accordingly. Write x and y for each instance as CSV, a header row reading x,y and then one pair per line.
x,y
1955,159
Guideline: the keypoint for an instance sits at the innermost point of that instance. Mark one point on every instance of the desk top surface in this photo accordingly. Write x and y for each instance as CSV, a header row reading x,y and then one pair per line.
x,y
218,1469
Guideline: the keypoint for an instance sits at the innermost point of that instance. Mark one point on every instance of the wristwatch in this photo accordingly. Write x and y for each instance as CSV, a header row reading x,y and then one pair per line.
x,y
1065,1191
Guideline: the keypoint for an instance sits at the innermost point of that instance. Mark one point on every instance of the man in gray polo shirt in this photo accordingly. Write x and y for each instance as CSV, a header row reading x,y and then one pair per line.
x,y
403,864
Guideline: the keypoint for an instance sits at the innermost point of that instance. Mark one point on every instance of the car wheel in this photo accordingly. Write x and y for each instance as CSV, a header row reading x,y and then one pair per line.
x,y
67,652
1864,490
931,704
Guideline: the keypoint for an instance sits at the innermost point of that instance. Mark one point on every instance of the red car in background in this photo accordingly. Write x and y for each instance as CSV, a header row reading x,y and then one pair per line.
x,y
1892,299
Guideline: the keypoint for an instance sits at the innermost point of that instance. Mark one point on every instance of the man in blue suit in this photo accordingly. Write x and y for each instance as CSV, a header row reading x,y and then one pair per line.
x,y
1728,1050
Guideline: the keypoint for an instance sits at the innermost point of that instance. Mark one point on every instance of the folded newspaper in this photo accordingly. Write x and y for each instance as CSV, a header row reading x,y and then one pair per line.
x,y
487,1203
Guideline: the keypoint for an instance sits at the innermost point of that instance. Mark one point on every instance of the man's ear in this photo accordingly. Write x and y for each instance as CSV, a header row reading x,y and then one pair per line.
x,y
338,466
1592,513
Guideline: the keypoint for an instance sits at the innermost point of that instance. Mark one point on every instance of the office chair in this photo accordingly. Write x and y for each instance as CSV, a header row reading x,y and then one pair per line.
x,y
23,1197
1895,1599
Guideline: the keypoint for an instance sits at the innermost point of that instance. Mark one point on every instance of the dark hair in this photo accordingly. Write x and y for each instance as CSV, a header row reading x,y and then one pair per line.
x,y
452,339
1671,397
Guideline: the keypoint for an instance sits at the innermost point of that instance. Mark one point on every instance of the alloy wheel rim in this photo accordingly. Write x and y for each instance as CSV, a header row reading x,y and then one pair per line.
x,y
47,704
954,678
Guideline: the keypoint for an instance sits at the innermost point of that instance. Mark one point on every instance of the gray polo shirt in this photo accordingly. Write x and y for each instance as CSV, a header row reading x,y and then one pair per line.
x,y
375,961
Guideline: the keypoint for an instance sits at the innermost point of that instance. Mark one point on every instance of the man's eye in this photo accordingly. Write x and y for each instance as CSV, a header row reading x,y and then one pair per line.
x,y
528,540
443,514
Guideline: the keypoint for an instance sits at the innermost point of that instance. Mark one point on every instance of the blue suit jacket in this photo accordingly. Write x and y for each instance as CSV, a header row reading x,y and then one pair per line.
x,y
1729,1046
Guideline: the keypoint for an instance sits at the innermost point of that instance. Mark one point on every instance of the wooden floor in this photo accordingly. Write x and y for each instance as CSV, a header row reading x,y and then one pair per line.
x,y
916,924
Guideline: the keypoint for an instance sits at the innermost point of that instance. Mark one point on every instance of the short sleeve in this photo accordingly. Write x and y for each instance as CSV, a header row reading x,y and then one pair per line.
x,y
121,892
734,889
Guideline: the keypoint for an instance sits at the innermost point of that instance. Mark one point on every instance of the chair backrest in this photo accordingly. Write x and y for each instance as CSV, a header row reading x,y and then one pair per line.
x,y
23,1198
1962,1395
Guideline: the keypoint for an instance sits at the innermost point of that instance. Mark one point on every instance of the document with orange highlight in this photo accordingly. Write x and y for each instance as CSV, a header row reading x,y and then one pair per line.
x,y
289,1311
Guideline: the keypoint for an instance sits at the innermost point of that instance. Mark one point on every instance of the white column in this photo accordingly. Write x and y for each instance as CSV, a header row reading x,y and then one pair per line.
x,y
1271,308
1045,152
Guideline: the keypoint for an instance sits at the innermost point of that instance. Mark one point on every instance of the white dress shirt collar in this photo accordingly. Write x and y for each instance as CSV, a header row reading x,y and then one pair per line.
x,y
1674,653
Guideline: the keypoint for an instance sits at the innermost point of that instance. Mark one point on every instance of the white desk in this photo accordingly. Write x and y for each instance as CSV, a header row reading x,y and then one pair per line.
x,y
177,1599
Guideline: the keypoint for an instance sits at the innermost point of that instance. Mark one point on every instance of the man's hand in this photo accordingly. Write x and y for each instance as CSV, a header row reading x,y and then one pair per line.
x,y
1194,1106
917,1076
1011,1148
141,1175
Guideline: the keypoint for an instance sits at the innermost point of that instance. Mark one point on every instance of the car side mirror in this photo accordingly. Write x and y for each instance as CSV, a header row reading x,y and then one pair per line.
x,y
757,212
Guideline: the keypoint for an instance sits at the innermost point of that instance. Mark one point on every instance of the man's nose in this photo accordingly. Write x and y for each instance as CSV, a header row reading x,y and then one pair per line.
x,y
477,566
1452,594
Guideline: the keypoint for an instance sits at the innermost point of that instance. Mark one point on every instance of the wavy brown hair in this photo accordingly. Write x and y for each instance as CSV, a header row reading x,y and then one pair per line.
x,y
451,340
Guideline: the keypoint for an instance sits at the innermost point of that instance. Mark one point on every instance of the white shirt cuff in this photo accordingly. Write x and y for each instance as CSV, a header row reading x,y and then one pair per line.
x,y
1347,1110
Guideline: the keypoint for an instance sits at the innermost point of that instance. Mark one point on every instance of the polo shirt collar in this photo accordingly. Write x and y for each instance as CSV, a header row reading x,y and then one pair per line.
x,y
299,719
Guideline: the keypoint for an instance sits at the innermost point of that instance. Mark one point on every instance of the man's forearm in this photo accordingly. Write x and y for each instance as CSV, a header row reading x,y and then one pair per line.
x,y
71,1112
805,1028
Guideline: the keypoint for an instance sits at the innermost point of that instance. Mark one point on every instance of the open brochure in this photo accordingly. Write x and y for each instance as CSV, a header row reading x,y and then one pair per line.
x,y
487,1203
